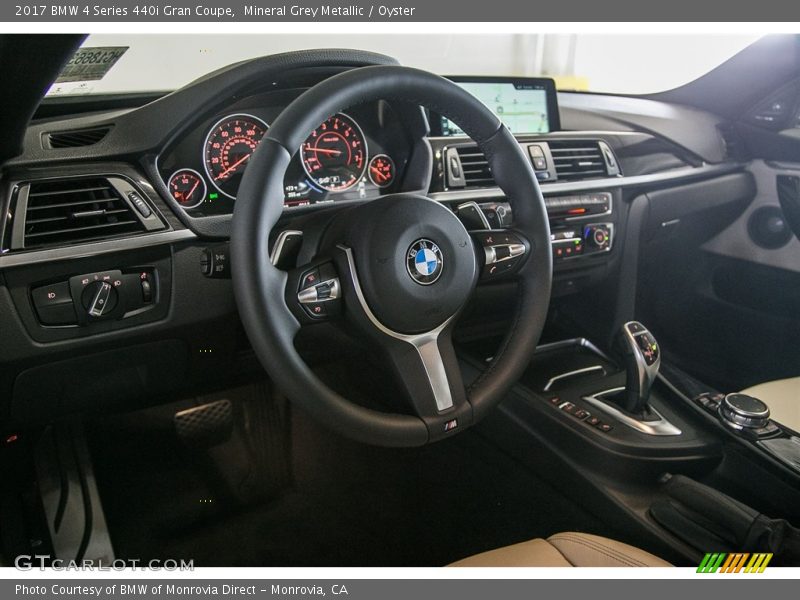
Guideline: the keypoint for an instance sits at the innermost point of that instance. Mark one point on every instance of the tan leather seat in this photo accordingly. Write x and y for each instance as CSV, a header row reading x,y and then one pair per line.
x,y
565,550
783,398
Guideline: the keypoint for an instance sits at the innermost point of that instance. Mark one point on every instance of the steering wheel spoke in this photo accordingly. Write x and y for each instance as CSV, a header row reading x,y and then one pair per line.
x,y
503,252
430,375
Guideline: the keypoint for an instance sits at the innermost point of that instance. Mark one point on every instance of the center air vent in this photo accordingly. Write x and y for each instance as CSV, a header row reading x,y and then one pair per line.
x,y
61,212
556,160
76,138
578,159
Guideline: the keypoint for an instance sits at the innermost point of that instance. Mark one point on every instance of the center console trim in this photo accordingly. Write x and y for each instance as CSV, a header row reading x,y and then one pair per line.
x,y
568,374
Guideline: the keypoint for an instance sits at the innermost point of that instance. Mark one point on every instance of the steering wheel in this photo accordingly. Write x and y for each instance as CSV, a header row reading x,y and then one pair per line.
x,y
397,269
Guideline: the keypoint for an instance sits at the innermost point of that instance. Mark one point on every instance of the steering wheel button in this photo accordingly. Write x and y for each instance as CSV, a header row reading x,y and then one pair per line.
x,y
316,310
310,279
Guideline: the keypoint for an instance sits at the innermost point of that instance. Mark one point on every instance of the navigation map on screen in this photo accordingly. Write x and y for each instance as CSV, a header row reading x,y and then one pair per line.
x,y
521,107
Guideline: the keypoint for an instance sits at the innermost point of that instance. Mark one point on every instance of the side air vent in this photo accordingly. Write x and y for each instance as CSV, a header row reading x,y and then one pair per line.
x,y
474,166
62,212
77,138
578,159
734,144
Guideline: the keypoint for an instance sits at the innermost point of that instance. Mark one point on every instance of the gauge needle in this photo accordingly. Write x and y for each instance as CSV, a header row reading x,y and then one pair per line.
x,y
191,191
379,174
326,151
233,166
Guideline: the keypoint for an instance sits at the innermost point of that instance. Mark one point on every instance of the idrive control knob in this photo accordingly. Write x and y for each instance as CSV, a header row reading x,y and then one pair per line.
x,y
741,411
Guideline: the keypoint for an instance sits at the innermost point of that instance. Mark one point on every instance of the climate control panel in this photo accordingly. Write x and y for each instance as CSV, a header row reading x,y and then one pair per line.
x,y
592,238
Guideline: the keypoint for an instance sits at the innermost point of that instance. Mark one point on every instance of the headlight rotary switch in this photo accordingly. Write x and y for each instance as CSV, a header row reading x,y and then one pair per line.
x,y
99,298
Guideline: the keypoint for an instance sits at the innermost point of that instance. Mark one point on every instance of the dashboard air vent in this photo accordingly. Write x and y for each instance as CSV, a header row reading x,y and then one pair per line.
x,y
475,167
61,212
578,159
77,138
735,148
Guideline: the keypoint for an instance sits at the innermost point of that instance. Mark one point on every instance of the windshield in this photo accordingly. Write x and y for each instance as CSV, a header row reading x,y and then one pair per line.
x,y
624,64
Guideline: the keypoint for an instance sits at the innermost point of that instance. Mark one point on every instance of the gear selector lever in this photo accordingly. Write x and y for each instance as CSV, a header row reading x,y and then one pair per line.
x,y
631,404
642,360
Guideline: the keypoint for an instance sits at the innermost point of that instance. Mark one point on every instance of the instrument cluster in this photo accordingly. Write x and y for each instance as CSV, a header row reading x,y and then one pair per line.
x,y
356,156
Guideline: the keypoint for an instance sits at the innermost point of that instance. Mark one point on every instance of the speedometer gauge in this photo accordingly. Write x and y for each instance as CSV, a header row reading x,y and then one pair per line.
x,y
228,148
334,155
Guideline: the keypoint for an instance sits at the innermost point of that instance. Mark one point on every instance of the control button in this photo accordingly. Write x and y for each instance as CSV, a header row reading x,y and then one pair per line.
x,y
593,421
535,150
316,310
215,262
498,269
604,427
49,295
555,400
502,253
581,414
147,291
455,166
540,164
635,327
542,175
324,290
768,430
708,402
600,237
569,408
57,314
310,279
139,203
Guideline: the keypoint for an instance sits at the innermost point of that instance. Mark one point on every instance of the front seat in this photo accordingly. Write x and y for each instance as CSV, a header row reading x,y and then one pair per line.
x,y
783,398
565,550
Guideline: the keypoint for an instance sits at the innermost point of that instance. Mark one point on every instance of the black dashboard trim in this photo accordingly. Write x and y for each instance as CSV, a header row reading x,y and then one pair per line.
x,y
669,177
94,249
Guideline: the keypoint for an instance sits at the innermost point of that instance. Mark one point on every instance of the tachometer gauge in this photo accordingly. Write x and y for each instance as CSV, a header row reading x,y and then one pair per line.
x,y
381,170
229,146
334,156
187,187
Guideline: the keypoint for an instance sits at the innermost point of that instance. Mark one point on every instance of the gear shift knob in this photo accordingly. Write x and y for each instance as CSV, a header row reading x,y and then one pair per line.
x,y
642,360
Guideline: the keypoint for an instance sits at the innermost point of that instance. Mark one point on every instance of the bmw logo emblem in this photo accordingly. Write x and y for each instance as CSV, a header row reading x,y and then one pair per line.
x,y
424,262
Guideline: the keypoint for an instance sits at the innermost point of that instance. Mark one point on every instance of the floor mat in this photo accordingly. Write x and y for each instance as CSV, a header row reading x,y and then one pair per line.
x,y
346,504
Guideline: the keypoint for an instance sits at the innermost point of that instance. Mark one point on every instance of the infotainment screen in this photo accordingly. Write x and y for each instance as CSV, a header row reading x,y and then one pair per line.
x,y
524,105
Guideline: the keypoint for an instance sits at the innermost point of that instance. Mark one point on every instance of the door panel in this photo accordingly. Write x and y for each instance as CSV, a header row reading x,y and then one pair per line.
x,y
724,307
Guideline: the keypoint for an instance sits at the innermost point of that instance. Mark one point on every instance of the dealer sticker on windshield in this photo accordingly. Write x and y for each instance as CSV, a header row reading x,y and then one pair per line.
x,y
91,64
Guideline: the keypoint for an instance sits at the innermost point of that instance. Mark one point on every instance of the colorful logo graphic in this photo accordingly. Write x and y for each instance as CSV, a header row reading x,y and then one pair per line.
x,y
737,562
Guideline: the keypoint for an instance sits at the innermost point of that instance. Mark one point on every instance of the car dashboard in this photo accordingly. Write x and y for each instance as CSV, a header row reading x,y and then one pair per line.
x,y
113,238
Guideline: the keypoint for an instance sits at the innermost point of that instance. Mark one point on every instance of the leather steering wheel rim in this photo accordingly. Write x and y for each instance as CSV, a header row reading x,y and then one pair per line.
x,y
259,287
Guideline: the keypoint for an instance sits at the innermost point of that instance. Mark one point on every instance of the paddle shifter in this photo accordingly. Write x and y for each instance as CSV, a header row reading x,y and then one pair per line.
x,y
642,360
